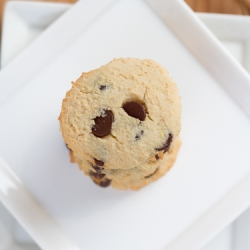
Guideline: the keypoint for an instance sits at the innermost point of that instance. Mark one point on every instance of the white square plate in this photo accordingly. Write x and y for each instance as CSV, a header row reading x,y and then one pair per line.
x,y
233,31
23,22
210,163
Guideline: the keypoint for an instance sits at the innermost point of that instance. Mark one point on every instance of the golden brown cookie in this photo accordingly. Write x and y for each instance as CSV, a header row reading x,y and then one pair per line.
x,y
121,121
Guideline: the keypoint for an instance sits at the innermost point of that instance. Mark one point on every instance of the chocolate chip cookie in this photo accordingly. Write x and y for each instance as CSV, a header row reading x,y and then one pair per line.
x,y
122,122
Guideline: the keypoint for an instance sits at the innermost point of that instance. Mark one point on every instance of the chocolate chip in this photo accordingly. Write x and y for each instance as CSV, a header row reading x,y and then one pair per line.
x,y
103,124
97,166
167,144
99,179
135,110
138,136
105,183
96,175
97,169
98,162
151,174
157,157
103,87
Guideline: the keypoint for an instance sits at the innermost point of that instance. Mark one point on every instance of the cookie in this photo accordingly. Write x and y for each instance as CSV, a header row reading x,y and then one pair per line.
x,y
134,178
121,121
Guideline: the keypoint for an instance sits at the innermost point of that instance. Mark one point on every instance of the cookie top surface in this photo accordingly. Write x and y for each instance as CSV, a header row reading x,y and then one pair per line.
x,y
122,113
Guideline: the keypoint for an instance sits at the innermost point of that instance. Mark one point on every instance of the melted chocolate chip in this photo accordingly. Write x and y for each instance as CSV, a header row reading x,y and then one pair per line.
x,y
98,162
167,144
157,157
103,124
138,136
96,175
135,110
97,169
103,87
97,166
151,174
105,183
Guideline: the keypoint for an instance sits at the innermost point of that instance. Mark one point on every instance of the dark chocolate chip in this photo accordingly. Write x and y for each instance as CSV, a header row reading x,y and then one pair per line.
x,y
138,136
103,87
97,169
135,110
97,166
96,175
105,183
151,174
157,157
103,124
167,144
98,162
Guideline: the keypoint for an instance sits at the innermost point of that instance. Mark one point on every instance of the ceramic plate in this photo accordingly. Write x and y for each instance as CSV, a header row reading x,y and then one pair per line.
x,y
213,160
